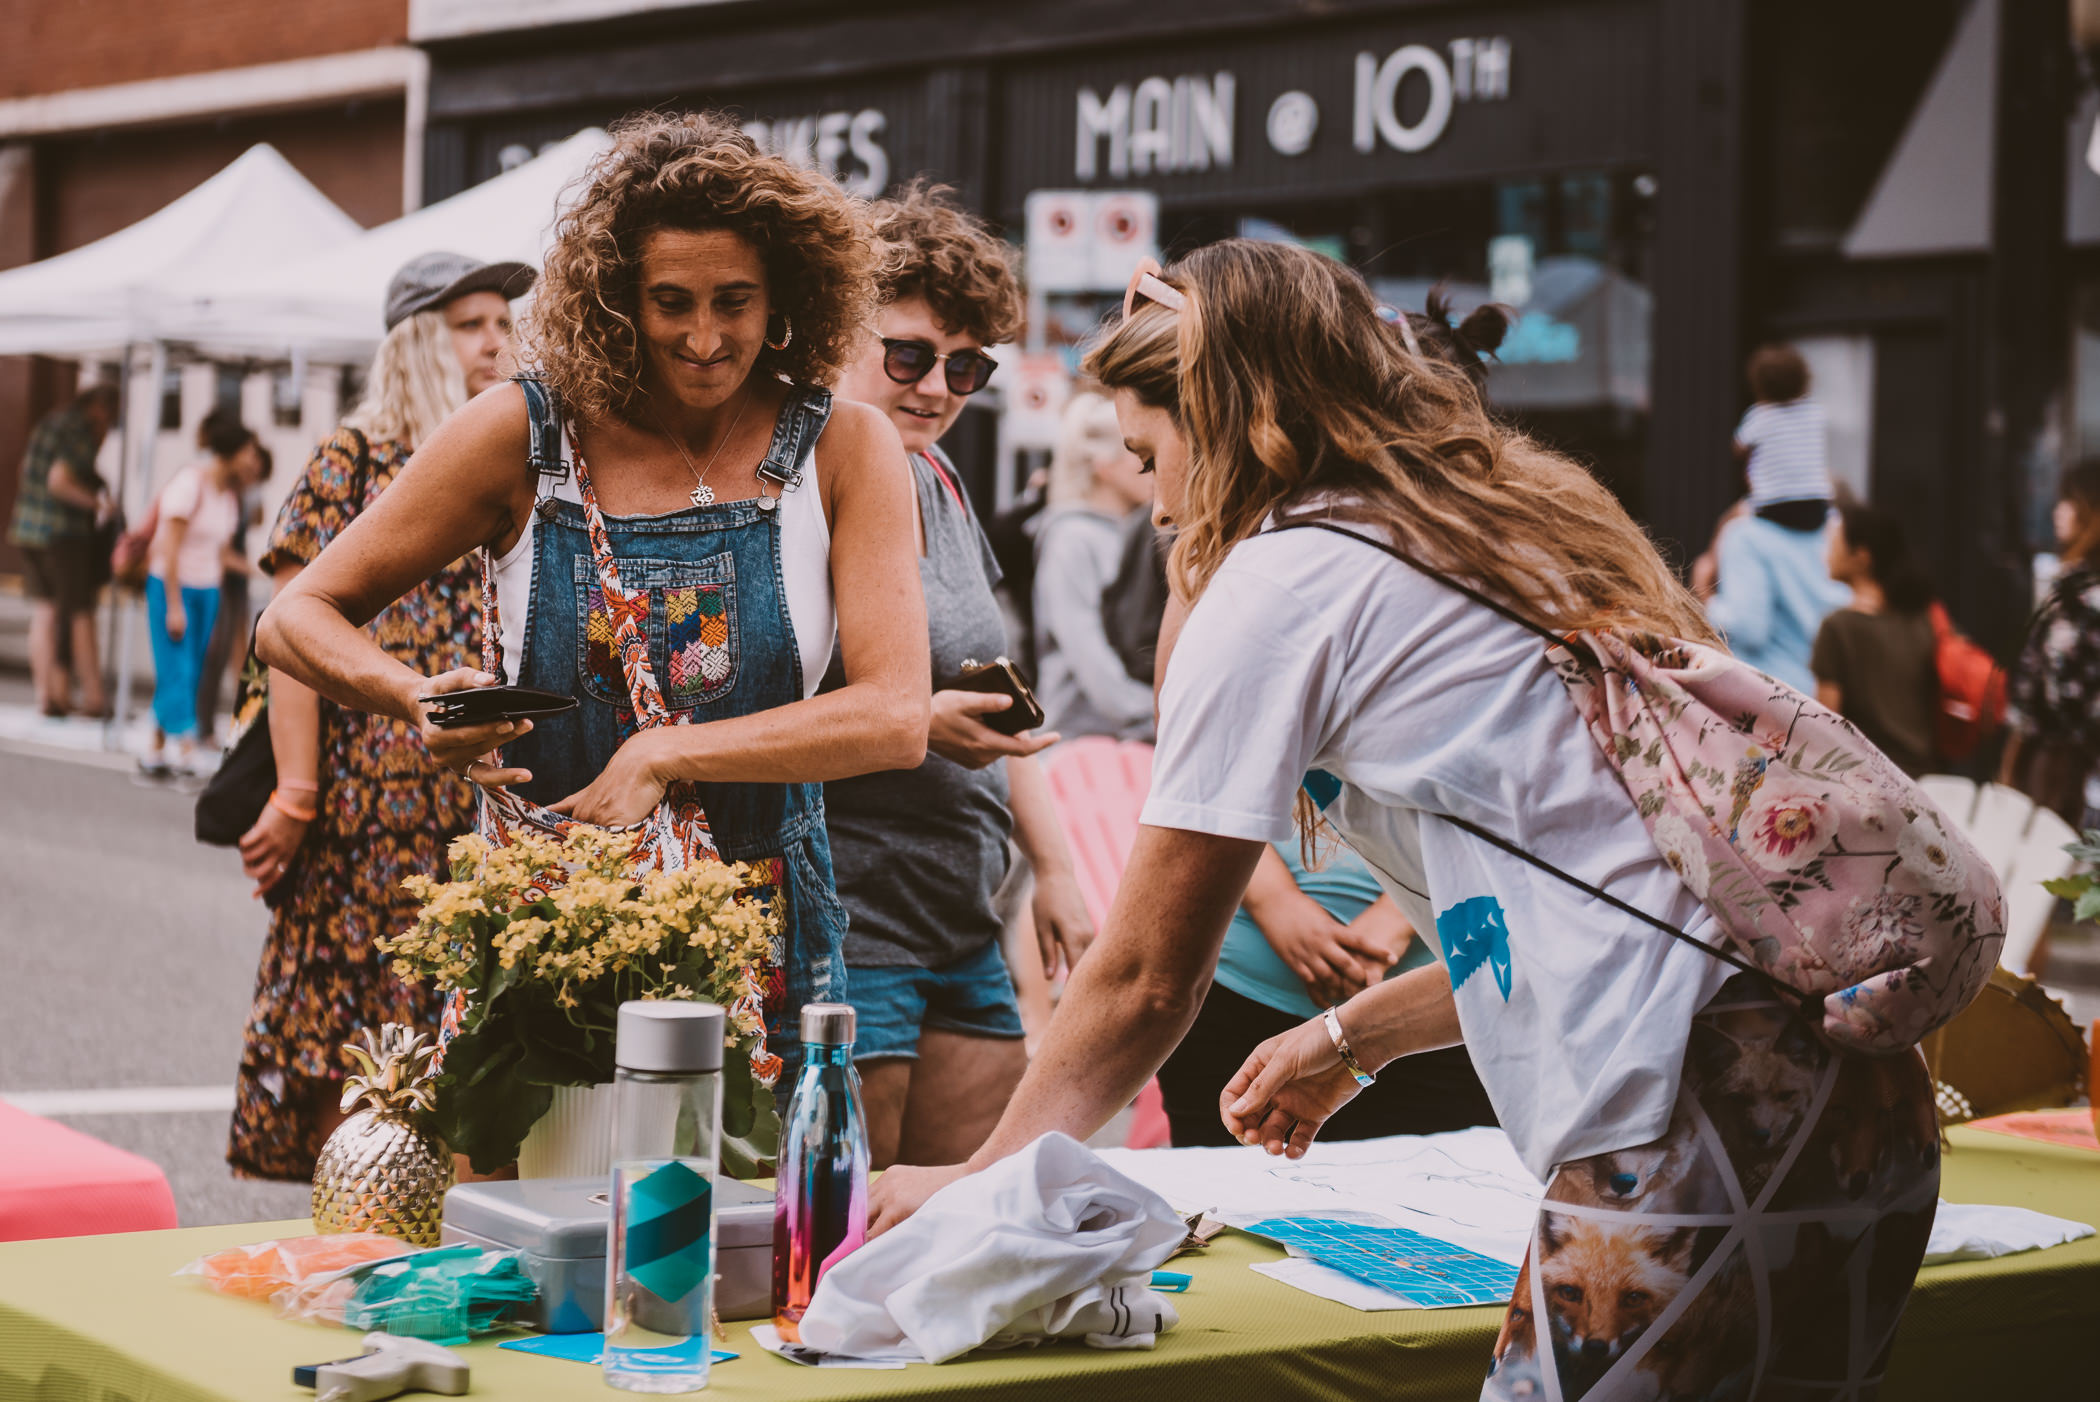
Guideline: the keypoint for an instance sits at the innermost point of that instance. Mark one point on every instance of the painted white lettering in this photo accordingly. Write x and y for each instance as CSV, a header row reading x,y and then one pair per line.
x,y
1365,131
1462,69
831,140
1422,133
1491,69
1098,119
864,138
1151,131
1210,123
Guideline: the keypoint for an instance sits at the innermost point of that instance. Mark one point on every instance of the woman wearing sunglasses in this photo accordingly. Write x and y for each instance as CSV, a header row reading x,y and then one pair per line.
x,y
920,853
1734,1210
680,525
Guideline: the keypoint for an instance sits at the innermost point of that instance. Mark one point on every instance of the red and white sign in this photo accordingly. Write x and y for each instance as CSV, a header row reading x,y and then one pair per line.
x,y
1060,240
1035,400
1126,232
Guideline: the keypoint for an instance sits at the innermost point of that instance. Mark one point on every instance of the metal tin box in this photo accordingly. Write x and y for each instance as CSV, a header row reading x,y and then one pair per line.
x,y
560,1225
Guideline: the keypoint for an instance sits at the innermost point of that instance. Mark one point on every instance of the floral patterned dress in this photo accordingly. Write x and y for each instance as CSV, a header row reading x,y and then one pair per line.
x,y
385,812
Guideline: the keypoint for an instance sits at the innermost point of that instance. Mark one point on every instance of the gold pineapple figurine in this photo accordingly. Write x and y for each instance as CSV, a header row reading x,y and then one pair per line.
x,y
384,1170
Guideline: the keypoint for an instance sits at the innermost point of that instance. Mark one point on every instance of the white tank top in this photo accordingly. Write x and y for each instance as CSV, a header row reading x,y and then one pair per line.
x,y
805,569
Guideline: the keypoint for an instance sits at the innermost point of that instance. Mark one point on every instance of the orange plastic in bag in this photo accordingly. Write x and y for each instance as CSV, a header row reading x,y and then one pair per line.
x,y
260,1271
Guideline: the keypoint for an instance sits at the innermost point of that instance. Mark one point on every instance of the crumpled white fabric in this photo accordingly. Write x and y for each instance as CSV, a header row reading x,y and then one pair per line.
x,y
1050,1243
1978,1231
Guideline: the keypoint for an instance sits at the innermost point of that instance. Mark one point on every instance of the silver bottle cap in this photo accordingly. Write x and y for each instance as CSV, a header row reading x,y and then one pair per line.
x,y
675,1038
828,1024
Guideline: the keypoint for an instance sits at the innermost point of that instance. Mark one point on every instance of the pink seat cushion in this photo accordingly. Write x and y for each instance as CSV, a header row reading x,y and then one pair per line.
x,y
56,1181
1099,785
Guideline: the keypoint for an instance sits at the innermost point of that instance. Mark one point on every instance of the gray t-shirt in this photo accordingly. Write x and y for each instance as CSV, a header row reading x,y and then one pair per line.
x,y
1083,685
918,853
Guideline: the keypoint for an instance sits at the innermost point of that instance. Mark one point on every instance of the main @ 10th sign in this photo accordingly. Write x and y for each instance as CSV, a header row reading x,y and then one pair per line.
x,y
1170,126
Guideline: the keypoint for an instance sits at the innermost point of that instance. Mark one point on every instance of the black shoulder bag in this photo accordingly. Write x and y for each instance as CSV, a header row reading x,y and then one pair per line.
x,y
233,799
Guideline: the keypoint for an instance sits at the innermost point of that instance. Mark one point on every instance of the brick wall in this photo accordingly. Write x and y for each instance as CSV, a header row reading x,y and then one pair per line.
x,y
56,45
90,186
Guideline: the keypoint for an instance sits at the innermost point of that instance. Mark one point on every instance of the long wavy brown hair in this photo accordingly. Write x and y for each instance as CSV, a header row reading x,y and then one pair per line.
x,y
1291,388
696,173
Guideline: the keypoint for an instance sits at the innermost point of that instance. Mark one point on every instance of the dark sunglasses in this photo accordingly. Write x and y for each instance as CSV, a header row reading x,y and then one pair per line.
x,y
907,362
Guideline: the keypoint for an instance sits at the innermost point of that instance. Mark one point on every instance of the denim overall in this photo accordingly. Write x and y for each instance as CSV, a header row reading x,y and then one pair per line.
x,y
720,644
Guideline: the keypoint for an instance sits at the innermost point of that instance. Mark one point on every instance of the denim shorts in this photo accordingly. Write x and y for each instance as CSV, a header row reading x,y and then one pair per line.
x,y
973,996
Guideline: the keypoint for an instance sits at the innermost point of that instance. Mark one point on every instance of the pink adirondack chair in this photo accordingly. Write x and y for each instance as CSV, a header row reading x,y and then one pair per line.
x,y
1100,786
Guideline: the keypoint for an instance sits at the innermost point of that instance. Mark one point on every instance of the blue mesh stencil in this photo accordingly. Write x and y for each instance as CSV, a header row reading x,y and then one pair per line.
x,y
1428,1271
669,1214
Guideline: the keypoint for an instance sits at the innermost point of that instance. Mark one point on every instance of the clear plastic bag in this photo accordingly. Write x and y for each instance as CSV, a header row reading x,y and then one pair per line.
x,y
371,1282
268,1268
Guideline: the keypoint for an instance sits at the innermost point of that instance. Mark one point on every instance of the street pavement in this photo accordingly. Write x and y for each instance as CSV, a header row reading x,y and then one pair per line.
x,y
129,954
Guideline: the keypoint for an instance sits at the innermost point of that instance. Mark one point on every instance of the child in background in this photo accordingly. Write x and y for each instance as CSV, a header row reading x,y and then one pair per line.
x,y
1765,579
1875,660
1782,442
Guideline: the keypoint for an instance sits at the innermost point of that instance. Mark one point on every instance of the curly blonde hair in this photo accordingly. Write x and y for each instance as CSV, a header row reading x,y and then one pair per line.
x,y
947,256
696,173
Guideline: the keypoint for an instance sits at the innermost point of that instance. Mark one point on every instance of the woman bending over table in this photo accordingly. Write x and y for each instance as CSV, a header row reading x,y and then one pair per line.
x,y
698,299
1733,1209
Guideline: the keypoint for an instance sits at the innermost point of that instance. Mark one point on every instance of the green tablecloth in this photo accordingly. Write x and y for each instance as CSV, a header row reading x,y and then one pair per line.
x,y
100,1318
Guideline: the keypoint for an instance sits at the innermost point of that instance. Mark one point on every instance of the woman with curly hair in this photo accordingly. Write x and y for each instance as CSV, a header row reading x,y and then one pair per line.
x,y
1719,1179
677,522
921,852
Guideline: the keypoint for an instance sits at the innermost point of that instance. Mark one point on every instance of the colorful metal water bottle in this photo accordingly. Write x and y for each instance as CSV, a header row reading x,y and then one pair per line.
x,y
820,1200
667,1142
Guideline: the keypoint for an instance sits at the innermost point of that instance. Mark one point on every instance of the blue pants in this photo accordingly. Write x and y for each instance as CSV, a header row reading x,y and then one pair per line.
x,y
178,664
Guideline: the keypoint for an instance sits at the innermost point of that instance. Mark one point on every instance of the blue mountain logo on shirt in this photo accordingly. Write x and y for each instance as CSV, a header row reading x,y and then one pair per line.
x,y
1473,933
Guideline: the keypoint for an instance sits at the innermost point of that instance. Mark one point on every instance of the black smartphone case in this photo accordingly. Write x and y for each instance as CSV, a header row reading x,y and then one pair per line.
x,y
488,704
1002,677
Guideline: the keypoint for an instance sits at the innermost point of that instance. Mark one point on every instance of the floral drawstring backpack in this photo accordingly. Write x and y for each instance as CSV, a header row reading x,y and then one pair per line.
x,y
1832,874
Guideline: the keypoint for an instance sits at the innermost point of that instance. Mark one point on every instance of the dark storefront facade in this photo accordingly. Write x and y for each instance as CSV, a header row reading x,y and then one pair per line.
x,y
1658,184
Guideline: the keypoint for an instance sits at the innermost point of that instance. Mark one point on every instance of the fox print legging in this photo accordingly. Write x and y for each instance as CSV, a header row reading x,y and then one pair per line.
x,y
1763,1248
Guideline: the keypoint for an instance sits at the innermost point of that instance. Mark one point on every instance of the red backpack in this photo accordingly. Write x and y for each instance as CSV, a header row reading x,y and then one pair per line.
x,y
1972,689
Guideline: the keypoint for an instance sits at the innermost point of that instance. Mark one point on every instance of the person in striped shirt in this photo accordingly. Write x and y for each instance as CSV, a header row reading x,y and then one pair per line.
x,y
1782,441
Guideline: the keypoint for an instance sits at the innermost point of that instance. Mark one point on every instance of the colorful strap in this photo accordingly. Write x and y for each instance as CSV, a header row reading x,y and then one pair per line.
x,y
940,470
630,612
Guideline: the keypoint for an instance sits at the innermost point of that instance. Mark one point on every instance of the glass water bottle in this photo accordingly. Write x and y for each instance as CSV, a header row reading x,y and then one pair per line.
x,y
820,1200
667,1143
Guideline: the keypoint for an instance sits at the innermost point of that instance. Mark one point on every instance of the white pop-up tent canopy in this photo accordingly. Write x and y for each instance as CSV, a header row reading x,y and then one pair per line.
x,y
328,304
123,290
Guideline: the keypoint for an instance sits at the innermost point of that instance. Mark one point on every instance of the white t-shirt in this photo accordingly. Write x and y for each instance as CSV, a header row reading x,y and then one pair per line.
x,y
1789,451
213,515
1310,651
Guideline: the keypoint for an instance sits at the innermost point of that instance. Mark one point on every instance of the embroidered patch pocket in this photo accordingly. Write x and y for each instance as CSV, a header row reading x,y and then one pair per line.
x,y
699,643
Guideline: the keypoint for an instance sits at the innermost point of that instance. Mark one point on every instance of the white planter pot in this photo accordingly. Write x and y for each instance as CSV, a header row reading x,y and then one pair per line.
x,y
574,1138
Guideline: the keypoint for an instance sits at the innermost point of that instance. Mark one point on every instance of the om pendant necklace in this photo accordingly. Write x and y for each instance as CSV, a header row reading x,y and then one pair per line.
x,y
702,494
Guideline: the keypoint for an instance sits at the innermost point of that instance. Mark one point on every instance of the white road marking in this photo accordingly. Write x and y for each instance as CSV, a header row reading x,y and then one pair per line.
x,y
122,1100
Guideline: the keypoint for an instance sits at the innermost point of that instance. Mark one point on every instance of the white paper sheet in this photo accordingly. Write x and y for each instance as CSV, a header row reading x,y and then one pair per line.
x,y
768,1338
1467,1187
1977,1232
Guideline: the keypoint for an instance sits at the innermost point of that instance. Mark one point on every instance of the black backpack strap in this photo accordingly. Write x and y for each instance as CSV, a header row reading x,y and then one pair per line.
x,y
543,439
1809,1003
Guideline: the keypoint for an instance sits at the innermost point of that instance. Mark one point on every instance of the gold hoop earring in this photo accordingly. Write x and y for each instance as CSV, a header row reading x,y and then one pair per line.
x,y
787,334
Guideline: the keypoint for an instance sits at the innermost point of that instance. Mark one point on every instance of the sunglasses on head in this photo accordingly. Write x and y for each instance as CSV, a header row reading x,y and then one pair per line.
x,y
907,362
1147,285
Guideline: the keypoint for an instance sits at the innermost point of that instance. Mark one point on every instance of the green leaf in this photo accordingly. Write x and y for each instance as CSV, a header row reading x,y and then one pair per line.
x,y
484,1108
2087,850
2068,888
2088,907
750,1120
